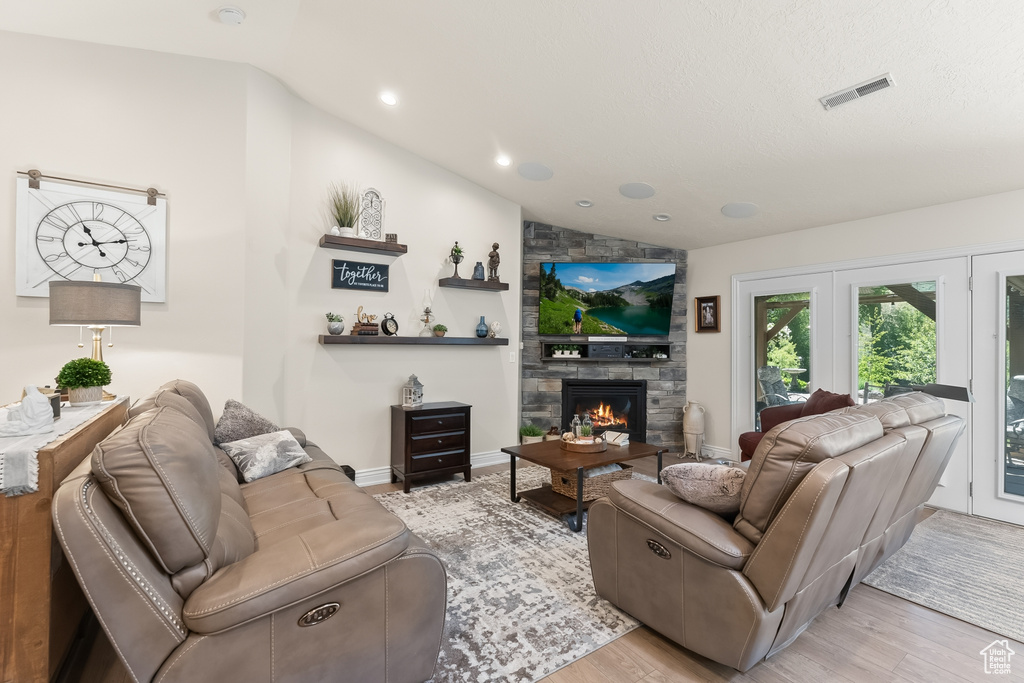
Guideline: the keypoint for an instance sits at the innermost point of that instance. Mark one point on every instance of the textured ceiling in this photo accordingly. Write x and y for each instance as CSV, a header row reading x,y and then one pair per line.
x,y
708,101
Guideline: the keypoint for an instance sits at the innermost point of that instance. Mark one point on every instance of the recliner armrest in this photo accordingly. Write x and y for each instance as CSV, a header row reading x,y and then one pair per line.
x,y
699,531
294,569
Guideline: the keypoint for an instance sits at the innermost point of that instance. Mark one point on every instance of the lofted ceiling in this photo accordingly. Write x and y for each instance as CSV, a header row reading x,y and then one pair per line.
x,y
709,102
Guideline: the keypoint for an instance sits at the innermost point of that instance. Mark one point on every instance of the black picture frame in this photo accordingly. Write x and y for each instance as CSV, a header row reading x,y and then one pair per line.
x,y
706,313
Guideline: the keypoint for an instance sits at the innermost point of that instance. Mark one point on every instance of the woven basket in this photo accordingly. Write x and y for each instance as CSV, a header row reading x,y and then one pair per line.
x,y
564,482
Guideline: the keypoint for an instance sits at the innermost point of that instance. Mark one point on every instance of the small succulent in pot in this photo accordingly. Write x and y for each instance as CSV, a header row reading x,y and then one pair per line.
x,y
84,378
439,330
531,433
335,323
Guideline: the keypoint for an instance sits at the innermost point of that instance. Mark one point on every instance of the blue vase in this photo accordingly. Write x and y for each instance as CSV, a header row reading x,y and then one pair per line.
x,y
478,271
481,329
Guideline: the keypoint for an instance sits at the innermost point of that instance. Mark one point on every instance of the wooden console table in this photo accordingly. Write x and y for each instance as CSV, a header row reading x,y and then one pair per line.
x,y
41,605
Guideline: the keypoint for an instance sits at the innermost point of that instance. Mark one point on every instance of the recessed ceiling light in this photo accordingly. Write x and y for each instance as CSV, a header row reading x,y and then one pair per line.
x,y
232,16
636,190
661,217
532,170
389,98
740,209
585,203
503,160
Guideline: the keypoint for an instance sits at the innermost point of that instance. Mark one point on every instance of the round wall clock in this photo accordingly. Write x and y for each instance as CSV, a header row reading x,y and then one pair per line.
x,y
72,232
389,325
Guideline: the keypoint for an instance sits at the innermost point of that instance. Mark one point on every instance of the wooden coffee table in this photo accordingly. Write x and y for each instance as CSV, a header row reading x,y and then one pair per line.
x,y
550,454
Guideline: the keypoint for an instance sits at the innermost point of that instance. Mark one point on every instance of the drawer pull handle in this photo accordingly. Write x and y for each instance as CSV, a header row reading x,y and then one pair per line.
x,y
439,440
440,422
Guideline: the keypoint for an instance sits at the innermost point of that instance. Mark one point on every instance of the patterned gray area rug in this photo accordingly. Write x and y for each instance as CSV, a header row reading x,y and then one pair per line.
x,y
967,567
521,601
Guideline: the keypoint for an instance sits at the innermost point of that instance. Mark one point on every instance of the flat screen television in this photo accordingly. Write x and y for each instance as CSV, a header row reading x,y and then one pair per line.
x,y
629,299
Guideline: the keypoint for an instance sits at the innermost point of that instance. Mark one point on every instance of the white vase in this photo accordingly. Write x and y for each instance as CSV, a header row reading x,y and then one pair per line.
x,y
347,232
693,428
85,396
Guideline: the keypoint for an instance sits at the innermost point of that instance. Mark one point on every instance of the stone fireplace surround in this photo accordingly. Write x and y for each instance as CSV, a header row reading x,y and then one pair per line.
x,y
542,380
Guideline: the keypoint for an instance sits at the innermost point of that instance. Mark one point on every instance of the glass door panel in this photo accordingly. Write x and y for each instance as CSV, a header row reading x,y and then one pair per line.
x,y
782,350
895,338
999,386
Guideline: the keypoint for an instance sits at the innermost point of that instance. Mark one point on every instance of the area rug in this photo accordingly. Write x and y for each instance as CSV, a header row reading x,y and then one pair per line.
x,y
521,601
967,567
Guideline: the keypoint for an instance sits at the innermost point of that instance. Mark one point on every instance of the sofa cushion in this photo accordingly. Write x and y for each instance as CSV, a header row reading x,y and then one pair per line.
x,y
920,407
265,454
239,421
787,453
160,470
822,401
187,390
713,487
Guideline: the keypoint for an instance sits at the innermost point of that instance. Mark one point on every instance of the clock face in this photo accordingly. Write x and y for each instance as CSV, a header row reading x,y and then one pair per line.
x,y
69,232
101,238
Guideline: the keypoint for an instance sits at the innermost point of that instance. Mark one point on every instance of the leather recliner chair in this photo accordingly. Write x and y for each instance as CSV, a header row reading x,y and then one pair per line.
x,y
299,576
826,498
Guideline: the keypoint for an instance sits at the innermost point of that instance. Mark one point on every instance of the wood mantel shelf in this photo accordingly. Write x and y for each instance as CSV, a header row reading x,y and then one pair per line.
x,y
327,339
466,283
363,245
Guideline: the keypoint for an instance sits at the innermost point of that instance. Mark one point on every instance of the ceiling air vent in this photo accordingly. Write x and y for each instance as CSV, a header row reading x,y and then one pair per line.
x,y
858,91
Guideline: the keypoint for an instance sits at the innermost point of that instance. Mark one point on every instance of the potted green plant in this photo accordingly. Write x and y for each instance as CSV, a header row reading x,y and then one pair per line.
x,y
456,257
439,330
572,350
345,204
335,323
531,433
84,378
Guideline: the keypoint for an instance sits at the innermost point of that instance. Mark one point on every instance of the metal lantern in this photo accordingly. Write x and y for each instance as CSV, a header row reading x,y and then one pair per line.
x,y
412,392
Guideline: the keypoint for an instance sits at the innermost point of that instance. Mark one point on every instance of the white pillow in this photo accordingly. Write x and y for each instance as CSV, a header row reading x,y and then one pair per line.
x,y
715,488
260,456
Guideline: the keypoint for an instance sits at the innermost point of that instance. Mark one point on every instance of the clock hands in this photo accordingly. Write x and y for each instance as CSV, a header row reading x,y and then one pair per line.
x,y
85,228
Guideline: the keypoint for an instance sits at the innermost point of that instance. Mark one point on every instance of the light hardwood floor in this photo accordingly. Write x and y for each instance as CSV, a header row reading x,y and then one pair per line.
x,y
874,637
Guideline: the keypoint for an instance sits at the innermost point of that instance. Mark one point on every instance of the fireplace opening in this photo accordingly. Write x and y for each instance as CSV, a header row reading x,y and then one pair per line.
x,y
617,405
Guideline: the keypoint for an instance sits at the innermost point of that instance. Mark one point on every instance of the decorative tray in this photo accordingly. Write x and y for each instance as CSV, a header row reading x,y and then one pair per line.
x,y
585,447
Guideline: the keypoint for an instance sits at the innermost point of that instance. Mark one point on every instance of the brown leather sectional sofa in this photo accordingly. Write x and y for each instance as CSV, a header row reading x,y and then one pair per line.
x,y
299,576
827,498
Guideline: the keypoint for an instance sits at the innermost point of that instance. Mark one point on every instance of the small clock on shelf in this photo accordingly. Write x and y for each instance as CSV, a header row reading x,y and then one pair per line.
x,y
389,325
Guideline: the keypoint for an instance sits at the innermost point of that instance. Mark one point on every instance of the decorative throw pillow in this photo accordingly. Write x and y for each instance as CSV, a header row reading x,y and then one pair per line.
x,y
713,487
822,401
240,422
265,454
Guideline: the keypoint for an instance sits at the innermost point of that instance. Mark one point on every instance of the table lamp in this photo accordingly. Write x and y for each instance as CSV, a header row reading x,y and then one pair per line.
x,y
96,305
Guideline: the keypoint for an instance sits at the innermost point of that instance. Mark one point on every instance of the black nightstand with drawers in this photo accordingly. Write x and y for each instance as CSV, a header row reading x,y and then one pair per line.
x,y
429,440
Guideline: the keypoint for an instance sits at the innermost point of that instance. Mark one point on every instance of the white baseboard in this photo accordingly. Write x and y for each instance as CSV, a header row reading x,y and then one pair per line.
x,y
718,452
382,475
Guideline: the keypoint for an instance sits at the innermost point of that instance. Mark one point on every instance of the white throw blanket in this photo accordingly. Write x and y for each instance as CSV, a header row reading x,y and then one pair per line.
x,y
19,464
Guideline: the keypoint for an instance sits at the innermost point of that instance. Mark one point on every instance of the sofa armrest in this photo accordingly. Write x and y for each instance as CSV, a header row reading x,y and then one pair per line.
x,y
299,435
294,569
699,531
776,415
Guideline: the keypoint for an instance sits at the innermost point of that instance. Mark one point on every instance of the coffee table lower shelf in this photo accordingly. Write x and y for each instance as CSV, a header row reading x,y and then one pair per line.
x,y
551,501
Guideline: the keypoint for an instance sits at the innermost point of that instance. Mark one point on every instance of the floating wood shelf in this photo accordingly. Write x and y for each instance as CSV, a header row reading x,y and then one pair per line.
x,y
327,339
566,359
360,244
466,283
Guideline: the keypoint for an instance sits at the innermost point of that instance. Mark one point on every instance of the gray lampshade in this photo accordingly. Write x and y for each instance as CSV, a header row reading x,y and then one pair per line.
x,y
95,303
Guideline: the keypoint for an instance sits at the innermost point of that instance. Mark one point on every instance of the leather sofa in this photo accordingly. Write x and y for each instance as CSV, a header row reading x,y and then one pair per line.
x,y
826,499
298,576
820,401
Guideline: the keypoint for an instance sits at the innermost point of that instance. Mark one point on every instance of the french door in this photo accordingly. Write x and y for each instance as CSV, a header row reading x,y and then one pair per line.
x,y
998,358
906,324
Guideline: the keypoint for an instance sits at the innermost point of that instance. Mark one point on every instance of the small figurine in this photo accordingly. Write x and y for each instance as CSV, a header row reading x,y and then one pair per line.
x,y
33,416
492,264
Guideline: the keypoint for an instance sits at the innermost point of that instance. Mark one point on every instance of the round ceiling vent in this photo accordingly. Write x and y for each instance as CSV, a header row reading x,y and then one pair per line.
x,y
232,16
636,190
532,170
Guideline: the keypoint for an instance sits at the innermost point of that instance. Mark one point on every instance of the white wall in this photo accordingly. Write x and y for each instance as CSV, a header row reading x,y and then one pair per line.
x,y
996,218
138,118
245,166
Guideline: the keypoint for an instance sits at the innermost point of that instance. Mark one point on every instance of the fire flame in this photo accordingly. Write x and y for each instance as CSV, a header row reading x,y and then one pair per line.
x,y
602,416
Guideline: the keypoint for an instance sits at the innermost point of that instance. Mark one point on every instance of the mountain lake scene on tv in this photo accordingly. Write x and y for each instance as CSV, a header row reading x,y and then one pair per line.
x,y
606,298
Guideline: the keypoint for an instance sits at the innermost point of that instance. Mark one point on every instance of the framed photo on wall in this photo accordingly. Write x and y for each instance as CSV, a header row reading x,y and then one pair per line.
x,y
706,312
